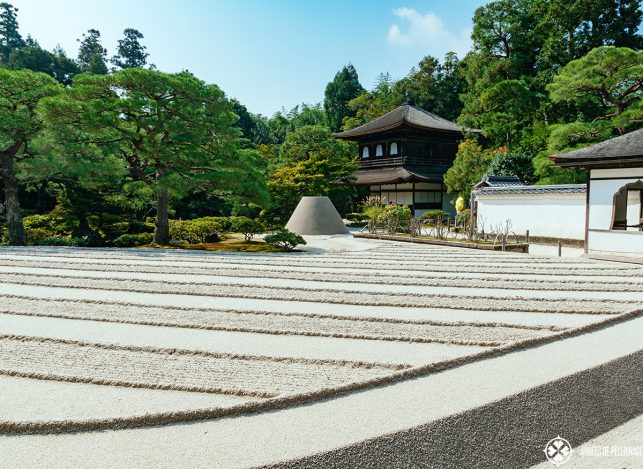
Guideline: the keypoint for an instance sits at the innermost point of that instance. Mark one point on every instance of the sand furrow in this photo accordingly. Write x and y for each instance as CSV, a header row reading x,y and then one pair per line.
x,y
271,323
494,262
325,277
394,266
180,370
482,303
71,425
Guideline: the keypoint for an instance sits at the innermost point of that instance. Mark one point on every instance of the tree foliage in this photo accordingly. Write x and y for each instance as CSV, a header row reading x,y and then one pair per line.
x,y
470,165
312,163
344,87
10,38
20,92
610,75
92,55
513,164
161,125
130,53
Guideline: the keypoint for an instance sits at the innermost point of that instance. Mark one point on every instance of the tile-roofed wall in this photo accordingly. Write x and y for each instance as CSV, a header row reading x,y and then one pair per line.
x,y
544,189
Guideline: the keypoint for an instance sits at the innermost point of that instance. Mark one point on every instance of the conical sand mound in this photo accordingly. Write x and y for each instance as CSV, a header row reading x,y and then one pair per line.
x,y
316,216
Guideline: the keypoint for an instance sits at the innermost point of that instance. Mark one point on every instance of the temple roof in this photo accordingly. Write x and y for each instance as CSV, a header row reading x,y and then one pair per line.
x,y
624,150
396,175
404,115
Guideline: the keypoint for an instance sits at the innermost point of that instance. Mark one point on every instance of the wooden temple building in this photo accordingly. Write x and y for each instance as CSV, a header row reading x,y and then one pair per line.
x,y
403,156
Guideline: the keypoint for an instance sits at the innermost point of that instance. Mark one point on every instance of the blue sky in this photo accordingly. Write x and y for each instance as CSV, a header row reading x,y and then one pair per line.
x,y
268,54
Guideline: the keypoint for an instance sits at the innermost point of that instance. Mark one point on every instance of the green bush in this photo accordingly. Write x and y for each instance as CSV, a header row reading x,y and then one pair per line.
x,y
464,216
395,216
131,240
62,241
138,227
40,227
247,226
199,230
284,240
4,234
433,216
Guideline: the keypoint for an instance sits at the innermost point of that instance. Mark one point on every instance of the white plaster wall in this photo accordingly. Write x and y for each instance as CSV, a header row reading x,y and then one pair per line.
x,y
601,199
616,243
550,215
602,191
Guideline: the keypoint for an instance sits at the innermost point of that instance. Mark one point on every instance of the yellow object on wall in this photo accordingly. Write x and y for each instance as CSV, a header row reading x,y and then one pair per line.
x,y
459,204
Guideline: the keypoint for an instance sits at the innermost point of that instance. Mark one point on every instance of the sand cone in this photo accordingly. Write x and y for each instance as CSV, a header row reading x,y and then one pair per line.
x,y
316,216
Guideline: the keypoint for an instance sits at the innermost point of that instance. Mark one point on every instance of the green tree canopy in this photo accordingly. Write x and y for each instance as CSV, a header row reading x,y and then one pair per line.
x,y
10,38
384,97
470,164
344,87
173,131
35,58
91,54
513,164
130,53
313,163
611,75
20,92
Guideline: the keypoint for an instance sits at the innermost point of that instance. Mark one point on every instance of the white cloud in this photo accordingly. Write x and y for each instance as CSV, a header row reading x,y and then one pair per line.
x,y
427,31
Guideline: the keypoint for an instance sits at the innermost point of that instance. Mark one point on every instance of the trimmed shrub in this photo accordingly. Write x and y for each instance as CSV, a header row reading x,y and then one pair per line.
x,y
62,241
131,240
199,230
40,227
433,216
395,216
284,240
247,226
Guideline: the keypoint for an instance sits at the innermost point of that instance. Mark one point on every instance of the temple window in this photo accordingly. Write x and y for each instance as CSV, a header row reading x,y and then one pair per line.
x,y
379,150
365,152
393,148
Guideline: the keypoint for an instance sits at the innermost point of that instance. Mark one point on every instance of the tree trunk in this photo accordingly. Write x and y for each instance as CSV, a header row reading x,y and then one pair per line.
x,y
162,231
17,235
78,206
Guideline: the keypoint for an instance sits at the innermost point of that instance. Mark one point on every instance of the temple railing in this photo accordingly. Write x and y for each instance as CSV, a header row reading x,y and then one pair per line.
x,y
378,162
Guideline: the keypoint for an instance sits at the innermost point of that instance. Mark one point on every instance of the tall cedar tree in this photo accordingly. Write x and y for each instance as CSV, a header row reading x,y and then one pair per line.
x,y
91,54
130,53
173,131
10,38
20,92
344,87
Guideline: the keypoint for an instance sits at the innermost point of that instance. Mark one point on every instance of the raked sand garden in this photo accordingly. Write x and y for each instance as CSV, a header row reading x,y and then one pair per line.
x,y
114,340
